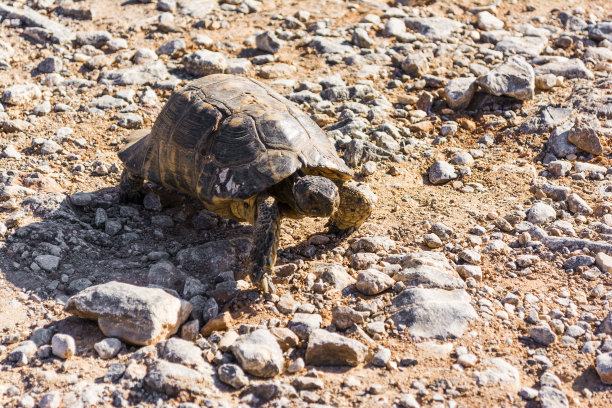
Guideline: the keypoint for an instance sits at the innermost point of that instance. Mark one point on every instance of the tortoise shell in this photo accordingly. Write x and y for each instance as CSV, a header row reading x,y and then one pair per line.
x,y
223,137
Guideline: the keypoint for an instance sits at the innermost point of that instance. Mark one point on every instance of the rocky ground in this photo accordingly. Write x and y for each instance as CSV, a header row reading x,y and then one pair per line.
x,y
483,277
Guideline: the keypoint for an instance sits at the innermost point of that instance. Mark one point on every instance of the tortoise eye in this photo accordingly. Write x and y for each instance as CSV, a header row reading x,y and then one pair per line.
x,y
245,205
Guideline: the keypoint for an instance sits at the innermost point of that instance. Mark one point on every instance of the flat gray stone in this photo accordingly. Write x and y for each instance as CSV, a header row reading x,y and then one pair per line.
x,y
324,45
428,277
565,67
531,46
514,77
499,372
145,74
372,282
171,378
21,94
428,313
303,324
136,315
434,28
53,31
552,398
181,351
330,349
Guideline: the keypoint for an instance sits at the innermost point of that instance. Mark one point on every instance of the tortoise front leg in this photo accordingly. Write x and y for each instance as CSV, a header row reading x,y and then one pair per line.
x,y
355,207
266,222
131,187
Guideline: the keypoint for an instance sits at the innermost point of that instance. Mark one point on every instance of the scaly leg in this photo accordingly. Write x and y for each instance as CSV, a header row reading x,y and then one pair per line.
x,y
355,207
131,187
266,223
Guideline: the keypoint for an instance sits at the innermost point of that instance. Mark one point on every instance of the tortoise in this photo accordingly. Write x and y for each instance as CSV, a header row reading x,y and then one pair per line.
x,y
249,154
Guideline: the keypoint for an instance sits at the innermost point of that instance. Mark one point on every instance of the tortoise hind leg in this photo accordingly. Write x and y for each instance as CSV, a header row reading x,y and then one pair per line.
x,y
131,187
355,207
266,221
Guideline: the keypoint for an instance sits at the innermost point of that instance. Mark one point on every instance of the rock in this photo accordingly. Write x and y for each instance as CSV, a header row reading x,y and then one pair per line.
x,y
130,121
49,65
24,351
303,324
279,70
487,21
285,337
514,78
145,74
434,28
95,38
171,378
559,168
198,9
531,46
344,317
133,314
372,282
499,372
577,205
416,65
408,401
459,92
382,357
604,261
430,313
182,352
578,261
565,67
558,141
218,323
432,241
541,213
268,42
108,348
545,82
394,27
232,374
542,334
552,398
585,137
470,256
325,348
373,244
334,275
49,29
325,45
41,336
430,277
603,366
287,304
63,346
441,172
50,400
259,354
172,48
21,94
47,262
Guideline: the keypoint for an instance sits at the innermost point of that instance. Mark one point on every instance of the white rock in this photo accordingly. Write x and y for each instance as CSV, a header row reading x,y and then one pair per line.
x,y
63,346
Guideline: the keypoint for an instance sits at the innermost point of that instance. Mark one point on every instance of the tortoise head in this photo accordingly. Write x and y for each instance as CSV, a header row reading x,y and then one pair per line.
x,y
316,196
